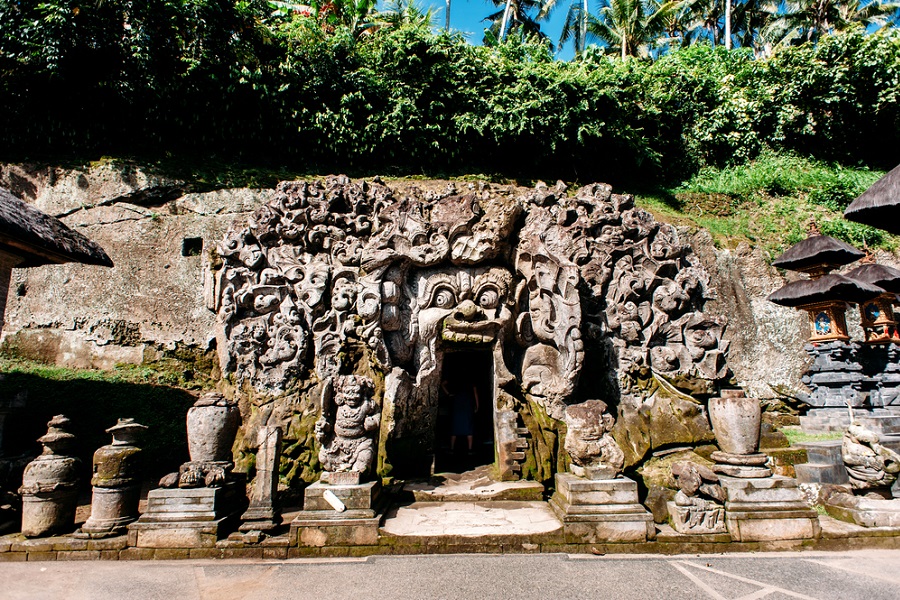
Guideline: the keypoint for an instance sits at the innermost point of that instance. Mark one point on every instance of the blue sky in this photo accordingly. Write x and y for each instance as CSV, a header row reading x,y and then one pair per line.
x,y
467,16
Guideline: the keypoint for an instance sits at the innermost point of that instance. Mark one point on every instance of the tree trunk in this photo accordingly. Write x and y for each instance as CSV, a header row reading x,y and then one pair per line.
x,y
448,16
505,20
624,47
727,24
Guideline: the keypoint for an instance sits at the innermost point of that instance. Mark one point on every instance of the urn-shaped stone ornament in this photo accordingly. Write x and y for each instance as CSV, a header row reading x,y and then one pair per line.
x,y
735,421
116,481
49,484
212,423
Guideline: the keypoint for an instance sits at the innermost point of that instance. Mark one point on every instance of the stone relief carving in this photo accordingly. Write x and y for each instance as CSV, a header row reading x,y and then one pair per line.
x,y
698,506
543,280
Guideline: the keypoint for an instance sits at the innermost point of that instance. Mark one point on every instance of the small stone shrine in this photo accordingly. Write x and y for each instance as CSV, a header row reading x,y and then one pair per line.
x,y
49,485
194,506
759,506
116,482
836,376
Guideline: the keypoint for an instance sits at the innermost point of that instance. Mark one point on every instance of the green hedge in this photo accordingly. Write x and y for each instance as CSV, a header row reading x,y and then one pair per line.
x,y
213,79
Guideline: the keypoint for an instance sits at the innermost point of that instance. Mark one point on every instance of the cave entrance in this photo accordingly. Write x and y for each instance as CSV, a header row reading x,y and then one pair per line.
x,y
467,380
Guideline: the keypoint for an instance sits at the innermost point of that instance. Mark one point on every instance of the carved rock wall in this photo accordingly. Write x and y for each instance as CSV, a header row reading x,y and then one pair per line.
x,y
556,247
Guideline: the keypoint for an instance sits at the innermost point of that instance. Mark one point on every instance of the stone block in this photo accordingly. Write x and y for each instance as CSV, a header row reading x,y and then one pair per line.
x,y
772,528
363,496
825,452
78,555
36,556
868,512
275,553
136,554
13,556
334,532
205,553
767,509
171,553
109,555
184,534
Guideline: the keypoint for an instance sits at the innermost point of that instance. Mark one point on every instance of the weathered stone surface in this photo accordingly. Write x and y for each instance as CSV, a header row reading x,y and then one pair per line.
x,y
771,508
347,429
736,423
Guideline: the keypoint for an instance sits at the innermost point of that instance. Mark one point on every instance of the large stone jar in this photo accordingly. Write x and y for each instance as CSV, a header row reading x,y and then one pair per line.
x,y
49,484
116,481
735,421
212,423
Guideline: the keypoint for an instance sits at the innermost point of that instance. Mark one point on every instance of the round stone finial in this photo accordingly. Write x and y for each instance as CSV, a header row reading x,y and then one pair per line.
x,y
125,431
56,438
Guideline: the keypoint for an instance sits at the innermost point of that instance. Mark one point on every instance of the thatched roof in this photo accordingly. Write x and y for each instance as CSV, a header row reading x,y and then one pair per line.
x,y
826,288
817,251
41,239
887,278
879,206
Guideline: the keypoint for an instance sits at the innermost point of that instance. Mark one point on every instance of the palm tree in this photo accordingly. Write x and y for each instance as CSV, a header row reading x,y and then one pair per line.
x,y
516,14
575,26
629,25
809,20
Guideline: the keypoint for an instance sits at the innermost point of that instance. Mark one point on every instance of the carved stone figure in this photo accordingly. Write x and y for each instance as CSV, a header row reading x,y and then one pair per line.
x,y
49,484
116,481
594,452
870,465
347,430
698,506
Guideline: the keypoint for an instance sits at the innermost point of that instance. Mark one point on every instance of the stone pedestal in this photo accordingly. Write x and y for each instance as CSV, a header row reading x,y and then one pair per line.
x,y
187,517
338,515
767,509
598,511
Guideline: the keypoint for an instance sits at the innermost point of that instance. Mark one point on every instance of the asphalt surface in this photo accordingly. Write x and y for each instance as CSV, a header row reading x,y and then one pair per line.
x,y
862,575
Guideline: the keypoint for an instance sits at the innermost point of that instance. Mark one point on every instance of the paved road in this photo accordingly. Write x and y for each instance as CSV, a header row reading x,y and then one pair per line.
x,y
863,575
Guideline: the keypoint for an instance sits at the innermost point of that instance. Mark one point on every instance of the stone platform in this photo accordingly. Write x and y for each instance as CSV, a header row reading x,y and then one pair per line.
x,y
824,464
471,519
193,517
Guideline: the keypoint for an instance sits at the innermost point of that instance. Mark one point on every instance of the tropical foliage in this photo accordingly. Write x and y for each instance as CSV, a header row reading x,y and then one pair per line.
x,y
349,88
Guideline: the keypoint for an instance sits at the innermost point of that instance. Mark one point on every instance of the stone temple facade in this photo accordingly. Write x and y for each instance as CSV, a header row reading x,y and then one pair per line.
x,y
553,298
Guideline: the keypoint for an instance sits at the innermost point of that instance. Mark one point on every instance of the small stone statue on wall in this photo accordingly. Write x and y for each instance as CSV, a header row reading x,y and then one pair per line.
x,y
347,430
870,465
595,454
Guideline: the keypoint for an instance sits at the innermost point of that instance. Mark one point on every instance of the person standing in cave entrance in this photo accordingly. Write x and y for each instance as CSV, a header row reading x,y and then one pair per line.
x,y
464,405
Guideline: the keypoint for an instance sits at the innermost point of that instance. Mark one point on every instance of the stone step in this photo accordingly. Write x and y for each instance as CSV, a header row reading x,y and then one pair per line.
x,y
821,474
475,491
825,453
885,425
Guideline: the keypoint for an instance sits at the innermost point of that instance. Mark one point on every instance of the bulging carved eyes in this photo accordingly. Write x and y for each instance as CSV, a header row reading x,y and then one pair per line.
x,y
444,297
488,298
